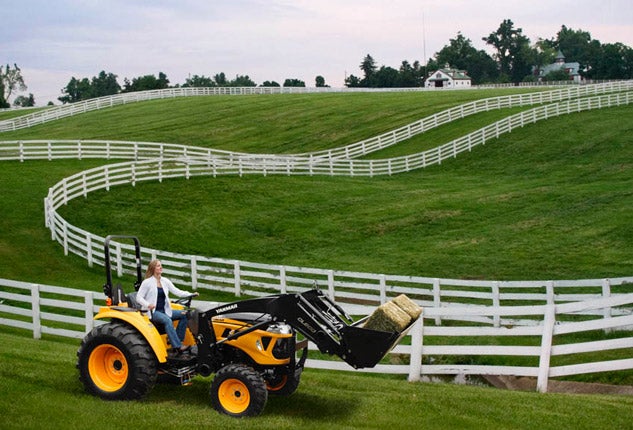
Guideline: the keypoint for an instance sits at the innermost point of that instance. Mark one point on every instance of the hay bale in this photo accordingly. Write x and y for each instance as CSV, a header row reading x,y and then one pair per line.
x,y
388,317
409,306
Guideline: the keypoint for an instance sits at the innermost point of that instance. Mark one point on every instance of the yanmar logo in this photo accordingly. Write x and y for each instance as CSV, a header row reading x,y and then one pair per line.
x,y
225,308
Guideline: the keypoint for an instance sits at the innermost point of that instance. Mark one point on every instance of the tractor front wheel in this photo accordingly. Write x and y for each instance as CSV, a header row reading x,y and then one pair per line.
x,y
239,391
115,362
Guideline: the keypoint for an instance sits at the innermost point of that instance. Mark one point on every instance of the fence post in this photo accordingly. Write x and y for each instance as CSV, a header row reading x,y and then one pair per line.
x,y
549,292
35,311
383,289
282,280
330,283
194,273
495,304
606,292
437,300
88,311
236,275
415,359
89,249
546,348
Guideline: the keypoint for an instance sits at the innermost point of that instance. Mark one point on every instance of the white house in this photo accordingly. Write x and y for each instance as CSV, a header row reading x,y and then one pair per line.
x,y
559,63
448,78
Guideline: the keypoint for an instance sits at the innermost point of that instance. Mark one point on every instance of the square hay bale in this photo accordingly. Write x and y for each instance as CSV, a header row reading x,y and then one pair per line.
x,y
409,306
388,317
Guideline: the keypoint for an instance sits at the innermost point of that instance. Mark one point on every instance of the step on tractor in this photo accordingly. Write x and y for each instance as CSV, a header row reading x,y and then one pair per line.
x,y
253,347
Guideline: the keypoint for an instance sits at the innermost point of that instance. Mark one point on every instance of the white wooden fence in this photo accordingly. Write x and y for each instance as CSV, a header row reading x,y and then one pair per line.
x,y
428,349
603,304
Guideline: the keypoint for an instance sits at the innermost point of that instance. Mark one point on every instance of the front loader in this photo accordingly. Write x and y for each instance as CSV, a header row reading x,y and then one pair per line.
x,y
252,346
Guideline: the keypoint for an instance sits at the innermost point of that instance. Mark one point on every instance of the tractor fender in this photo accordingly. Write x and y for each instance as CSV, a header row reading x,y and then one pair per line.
x,y
140,323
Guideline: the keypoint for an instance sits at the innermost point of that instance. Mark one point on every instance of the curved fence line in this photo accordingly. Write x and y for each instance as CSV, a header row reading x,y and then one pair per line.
x,y
201,161
252,278
109,149
64,111
605,304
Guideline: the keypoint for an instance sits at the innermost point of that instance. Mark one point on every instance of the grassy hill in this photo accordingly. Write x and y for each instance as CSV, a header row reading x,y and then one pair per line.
x,y
549,201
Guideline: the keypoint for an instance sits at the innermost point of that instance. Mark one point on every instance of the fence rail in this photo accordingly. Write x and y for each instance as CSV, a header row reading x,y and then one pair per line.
x,y
558,308
66,312
80,242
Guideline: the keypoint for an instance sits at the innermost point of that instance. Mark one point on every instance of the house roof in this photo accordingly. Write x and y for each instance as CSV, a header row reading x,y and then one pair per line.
x,y
448,73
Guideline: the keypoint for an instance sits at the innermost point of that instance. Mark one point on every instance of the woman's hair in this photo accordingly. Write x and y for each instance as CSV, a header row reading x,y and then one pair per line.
x,y
151,267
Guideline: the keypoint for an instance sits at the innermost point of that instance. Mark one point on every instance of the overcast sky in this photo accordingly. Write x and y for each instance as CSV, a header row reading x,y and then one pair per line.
x,y
54,40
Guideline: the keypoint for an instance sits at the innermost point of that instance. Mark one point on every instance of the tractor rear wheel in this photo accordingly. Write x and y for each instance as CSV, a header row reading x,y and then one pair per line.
x,y
115,362
239,391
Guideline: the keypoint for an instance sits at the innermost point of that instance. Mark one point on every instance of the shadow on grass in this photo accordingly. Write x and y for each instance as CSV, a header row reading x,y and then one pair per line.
x,y
300,404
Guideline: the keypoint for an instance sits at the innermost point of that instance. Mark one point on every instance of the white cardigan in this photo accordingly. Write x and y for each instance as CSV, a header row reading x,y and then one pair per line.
x,y
148,293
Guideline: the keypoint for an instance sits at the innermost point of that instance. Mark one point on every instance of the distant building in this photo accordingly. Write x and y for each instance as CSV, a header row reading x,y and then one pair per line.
x,y
448,78
559,63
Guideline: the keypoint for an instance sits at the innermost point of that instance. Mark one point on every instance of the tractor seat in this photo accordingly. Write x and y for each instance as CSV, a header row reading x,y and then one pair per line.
x,y
131,300
133,304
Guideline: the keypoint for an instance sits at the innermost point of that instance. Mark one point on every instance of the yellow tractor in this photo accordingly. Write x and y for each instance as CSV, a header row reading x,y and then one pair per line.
x,y
251,346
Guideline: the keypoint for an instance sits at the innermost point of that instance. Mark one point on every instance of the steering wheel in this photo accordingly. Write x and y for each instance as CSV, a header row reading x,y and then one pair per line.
x,y
186,300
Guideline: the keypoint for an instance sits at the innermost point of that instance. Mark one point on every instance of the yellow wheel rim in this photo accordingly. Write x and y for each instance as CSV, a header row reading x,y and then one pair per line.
x,y
234,396
108,368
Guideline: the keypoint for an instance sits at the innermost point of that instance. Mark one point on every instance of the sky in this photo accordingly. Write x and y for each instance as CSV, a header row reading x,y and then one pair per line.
x,y
268,40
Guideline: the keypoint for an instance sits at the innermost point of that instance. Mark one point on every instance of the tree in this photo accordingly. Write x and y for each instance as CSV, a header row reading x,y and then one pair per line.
x,y
270,84
10,80
76,90
544,54
385,77
410,75
294,83
146,82
352,81
319,82
23,101
514,55
105,84
368,66
220,79
242,81
461,54
199,81
613,62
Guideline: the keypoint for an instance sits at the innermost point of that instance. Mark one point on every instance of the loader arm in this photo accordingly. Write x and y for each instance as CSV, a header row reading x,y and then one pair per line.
x,y
323,322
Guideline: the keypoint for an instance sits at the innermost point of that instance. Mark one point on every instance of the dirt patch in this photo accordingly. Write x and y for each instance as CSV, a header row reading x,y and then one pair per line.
x,y
553,386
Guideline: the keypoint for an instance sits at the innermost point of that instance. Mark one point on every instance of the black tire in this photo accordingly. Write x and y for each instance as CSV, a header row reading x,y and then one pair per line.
x,y
283,385
238,391
115,362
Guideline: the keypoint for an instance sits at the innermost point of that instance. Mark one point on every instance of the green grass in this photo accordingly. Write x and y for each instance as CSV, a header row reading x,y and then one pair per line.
x,y
39,388
287,123
550,201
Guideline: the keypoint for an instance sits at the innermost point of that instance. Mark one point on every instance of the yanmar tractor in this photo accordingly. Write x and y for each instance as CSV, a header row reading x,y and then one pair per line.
x,y
251,346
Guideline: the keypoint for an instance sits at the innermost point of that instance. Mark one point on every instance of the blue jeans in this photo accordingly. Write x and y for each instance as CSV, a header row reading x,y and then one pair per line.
x,y
177,335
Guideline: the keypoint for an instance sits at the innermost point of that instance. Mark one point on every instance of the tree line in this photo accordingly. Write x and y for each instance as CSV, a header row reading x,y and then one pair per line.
x,y
514,59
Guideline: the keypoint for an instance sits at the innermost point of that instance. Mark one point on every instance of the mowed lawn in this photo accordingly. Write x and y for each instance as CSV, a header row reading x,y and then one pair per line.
x,y
39,388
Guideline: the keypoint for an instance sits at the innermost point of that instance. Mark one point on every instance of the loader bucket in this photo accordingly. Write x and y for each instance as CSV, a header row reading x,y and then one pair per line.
x,y
366,347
